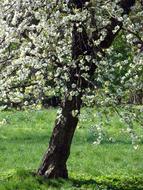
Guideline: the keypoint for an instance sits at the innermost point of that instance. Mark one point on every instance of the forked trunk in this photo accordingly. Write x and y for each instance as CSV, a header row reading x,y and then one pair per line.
x,y
54,161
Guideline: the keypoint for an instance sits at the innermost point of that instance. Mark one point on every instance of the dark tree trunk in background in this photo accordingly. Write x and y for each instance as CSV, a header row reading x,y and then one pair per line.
x,y
54,161
136,97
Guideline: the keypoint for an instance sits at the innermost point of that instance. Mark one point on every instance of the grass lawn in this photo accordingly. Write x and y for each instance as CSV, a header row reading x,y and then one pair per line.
x,y
24,139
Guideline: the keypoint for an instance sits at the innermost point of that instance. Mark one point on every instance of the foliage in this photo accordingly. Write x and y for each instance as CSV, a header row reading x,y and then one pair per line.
x,y
36,50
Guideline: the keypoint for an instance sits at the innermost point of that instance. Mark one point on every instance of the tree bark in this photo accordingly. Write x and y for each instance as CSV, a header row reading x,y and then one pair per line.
x,y
54,161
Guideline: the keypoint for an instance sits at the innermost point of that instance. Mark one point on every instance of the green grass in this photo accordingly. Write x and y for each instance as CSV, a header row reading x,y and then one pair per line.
x,y
24,139
26,180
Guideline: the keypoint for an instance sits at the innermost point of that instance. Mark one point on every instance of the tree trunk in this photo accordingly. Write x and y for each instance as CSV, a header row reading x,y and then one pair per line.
x,y
54,162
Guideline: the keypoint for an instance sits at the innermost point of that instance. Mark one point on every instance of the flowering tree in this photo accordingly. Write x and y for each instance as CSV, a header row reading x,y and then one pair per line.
x,y
68,42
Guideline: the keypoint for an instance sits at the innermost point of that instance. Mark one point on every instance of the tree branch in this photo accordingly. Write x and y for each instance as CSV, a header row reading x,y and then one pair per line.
x,y
110,36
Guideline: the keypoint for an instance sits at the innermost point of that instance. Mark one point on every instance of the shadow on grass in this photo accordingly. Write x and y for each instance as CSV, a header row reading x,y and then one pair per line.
x,y
31,138
84,183
111,183
27,180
